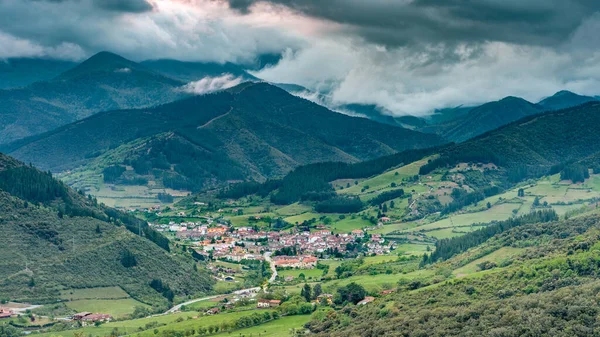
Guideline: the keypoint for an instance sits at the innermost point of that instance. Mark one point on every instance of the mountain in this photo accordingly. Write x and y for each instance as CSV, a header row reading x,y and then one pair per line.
x,y
55,239
533,145
564,99
20,72
194,71
254,130
103,82
486,117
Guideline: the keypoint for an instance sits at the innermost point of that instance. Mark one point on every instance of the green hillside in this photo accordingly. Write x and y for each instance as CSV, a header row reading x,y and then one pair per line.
x,y
533,145
55,239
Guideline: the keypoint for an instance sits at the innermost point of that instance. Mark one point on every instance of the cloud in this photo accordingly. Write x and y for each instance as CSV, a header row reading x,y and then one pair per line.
x,y
210,84
421,22
405,56
11,46
190,30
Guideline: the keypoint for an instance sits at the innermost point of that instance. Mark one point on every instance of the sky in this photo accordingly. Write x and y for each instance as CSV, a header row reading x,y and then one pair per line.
x,y
409,57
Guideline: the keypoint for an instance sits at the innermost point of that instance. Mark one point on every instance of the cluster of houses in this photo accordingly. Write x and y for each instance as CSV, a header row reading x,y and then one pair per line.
x,y
301,262
247,243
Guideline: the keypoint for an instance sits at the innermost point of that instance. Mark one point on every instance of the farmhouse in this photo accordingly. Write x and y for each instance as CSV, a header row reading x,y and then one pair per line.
x,y
93,318
6,313
263,303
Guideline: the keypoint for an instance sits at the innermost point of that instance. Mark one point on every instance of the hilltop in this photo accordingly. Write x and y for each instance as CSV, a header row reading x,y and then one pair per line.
x,y
104,82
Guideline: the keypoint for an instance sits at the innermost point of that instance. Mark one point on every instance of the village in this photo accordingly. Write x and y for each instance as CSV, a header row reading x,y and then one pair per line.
x,y
291,249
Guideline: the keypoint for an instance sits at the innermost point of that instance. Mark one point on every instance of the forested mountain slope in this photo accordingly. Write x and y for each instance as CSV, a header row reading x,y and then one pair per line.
x,y
55,239
533,144
257,130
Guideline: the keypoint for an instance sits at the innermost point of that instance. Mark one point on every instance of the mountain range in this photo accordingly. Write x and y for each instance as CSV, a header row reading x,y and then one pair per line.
x,y
252,131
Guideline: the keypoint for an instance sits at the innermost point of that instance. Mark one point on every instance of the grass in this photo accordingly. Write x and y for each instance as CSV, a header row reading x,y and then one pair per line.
x,y
412,248
94,293
131,327
118,308
375,283
451,232
497,212
348,224
276,328
497,256
313,274
293,209
303,217
384,180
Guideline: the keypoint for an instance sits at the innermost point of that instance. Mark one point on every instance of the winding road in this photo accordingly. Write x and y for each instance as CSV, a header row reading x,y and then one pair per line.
x,y
237,292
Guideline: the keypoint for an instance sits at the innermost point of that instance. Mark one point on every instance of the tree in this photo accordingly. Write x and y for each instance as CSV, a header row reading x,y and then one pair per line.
x,y
392,204
7,330
489,205
352,292
521,192
98,230
536,202
306,292
384,208
317,291
128,259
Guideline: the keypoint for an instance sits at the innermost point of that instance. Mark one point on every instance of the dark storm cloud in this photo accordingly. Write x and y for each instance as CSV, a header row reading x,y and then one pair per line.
x,y
127,6
405,22
130,6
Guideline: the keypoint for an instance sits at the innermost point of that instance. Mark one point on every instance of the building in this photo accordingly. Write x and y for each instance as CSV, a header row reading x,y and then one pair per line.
x,y
367,299
80,315
6,313
213,311
274,303
263,303
93,318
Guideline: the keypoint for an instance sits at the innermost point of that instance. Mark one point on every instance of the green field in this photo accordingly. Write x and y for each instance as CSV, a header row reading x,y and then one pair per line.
x,y
94,293
310,274
276,328
497,256
293,209
375,283
384,180
118,308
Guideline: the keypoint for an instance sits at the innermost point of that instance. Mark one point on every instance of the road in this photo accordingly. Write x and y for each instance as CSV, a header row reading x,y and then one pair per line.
x,y
273,269
237,292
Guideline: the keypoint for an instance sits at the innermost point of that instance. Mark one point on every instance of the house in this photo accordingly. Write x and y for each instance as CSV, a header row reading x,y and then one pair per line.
x,y
367,299
213,311
387,292
274,303
289,278
358,233
385,219
263,303
93,318
80,315
6,313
